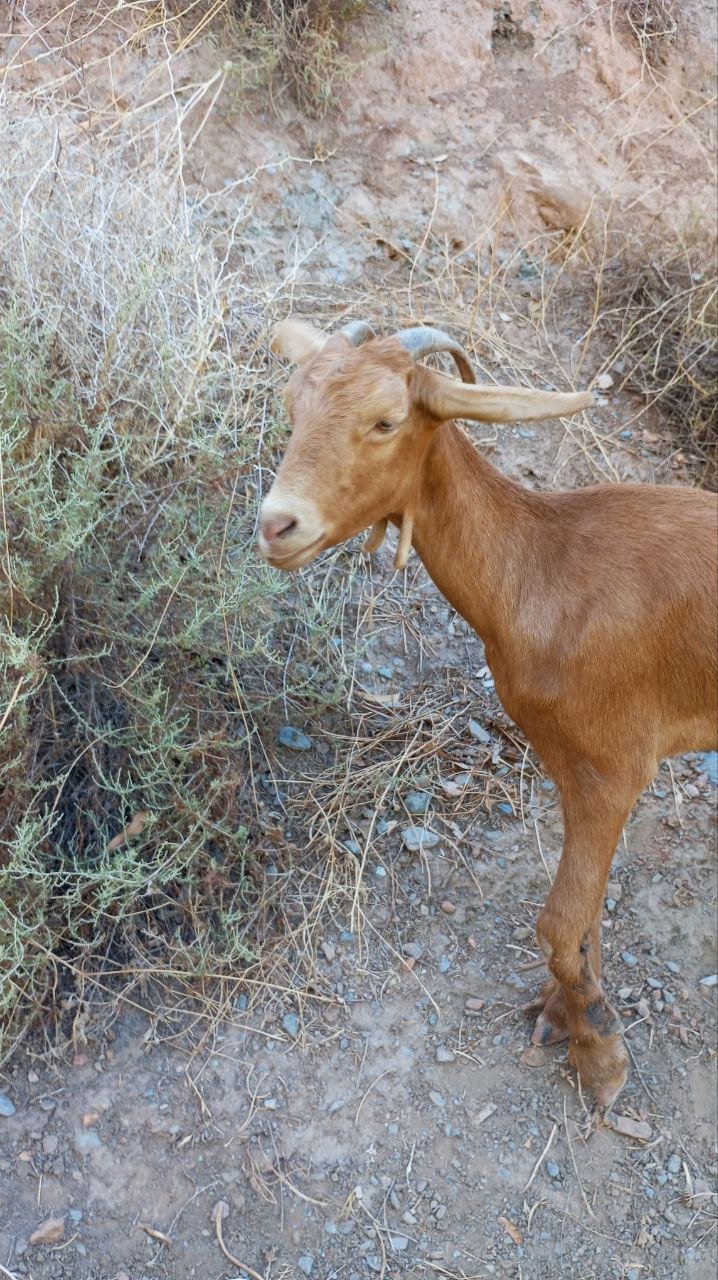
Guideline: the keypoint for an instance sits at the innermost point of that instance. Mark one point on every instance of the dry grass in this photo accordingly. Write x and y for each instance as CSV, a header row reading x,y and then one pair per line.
x,y
655,24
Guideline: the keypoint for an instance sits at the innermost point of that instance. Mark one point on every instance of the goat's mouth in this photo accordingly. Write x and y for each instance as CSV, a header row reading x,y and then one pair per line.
x,y
295,558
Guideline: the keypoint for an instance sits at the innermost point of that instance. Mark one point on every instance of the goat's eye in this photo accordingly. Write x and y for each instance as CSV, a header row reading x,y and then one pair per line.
x,y
383,425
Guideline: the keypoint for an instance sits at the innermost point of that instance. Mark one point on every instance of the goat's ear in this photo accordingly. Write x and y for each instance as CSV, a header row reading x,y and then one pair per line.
x,y
446,398
297,340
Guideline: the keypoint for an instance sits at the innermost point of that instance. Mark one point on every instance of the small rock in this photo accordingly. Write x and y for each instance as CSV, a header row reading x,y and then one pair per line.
x,y
32,1077
710,981
629,959
552,1169
306,1263
7,1108
416,838
437,1098
610,904
604,382
329,950
290,1023
386,673
478,732
353,847
448,908
50,1144
86,1141
505,807
672,967
444,1055
534,1056
294,739
673,1163
473,1004
417,802
444,964
615,889
399,1243
629,1127
710,766
522,934
413,949
49,1232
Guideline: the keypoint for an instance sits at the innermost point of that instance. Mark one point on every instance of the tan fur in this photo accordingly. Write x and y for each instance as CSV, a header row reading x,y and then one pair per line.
x,y
597,609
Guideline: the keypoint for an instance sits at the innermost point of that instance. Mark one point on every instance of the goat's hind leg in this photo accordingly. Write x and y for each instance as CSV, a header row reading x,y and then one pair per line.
x,y
568,931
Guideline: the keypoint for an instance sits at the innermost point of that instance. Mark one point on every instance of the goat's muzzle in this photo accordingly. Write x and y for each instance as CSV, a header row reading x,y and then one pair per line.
x,y
291,530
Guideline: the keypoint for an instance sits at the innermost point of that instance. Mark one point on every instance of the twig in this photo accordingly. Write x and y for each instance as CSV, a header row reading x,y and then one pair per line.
x,y
573,1162
241,1266
388,1072
541,1158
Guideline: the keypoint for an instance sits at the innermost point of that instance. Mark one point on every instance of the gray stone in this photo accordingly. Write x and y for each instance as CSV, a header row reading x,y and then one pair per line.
x,y
306,1263
417,802
444,1055
290,1023
552,1169
478,732
413,949
7,1108
629,959
673,1163
86,1141
399,1243
437,1098
416,838
294,739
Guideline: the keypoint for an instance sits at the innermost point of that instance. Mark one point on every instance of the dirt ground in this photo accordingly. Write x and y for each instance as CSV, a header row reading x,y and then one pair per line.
x,y
387,1117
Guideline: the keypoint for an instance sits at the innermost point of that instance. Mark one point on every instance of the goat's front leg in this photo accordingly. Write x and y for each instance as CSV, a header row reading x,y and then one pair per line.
x,y
568,930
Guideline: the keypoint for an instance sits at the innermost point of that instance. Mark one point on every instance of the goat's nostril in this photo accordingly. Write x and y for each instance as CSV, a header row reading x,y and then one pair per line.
x,y
278,527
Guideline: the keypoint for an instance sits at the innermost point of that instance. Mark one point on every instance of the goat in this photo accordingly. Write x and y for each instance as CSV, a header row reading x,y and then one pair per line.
x,y
597,607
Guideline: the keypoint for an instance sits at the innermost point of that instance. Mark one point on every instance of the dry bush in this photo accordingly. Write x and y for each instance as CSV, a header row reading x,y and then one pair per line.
x,y
659,310
655,24
300,41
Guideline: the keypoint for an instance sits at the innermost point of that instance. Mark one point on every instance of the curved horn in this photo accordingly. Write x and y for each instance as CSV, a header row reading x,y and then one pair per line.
x,y
422,341
356,332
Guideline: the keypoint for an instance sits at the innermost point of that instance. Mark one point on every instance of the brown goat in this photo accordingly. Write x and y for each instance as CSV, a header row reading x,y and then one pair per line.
x,y
597,608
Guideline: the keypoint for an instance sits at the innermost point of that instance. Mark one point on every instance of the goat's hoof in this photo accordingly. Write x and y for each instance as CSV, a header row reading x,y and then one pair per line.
x,y
552,1024
547,1032
602,1065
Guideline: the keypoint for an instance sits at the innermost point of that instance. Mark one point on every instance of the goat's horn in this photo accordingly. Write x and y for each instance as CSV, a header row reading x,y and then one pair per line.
x,y
422,341
356,332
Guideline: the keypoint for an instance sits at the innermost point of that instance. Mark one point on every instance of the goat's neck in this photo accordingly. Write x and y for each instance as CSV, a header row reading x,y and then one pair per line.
x,y
475,531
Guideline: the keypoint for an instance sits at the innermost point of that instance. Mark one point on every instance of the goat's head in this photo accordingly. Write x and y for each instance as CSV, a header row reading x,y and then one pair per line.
x,y
363,414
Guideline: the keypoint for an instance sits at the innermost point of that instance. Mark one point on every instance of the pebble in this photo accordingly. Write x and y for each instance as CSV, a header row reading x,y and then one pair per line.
x,y
505,807
437,1098
413,949
290,1023
448,907
634,1273
353,846
629,959
478,732
610,904
399,1243
672,967
417,802
474,1004
416,838
673,1163
7,1108
710,981
50,1144
710,766
49,1232
655,983
552,1169
444,1055
380,872
294,739
86,1141
306,1263
386,673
